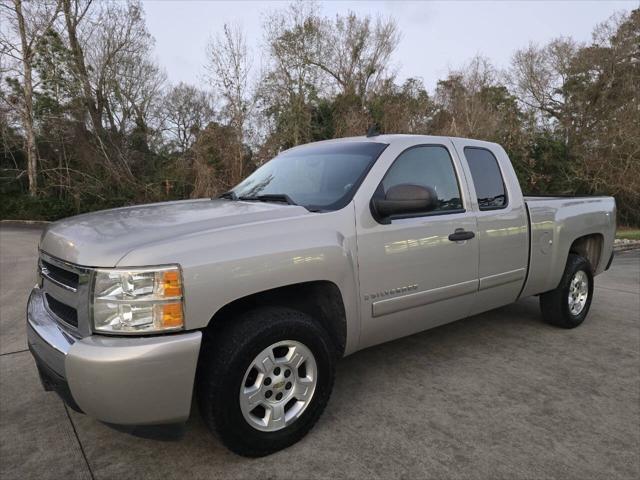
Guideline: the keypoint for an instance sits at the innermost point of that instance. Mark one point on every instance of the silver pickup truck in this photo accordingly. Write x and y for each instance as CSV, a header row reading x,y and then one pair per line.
x,y
248,300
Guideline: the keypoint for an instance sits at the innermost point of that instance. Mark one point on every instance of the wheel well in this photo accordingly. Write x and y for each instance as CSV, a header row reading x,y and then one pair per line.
x,y
321,300
590,247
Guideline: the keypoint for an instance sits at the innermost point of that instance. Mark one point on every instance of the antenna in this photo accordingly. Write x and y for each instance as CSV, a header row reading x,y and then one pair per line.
x,y
373,131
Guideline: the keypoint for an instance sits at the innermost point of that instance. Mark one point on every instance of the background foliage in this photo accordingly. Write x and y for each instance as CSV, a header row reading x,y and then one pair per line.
x,y
89,121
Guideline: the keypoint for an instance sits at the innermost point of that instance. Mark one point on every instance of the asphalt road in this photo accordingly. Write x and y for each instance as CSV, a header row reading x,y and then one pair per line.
x,y
498,395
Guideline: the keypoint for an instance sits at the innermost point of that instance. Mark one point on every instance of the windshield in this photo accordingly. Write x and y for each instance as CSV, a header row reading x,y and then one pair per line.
x,y
318,177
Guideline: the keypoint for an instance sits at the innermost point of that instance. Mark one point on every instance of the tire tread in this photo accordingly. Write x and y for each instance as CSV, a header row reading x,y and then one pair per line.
x,y
553,304
221,349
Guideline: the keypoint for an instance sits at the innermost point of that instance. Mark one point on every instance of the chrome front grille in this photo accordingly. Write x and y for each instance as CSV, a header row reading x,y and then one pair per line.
x,y
62,277
66,288
67,314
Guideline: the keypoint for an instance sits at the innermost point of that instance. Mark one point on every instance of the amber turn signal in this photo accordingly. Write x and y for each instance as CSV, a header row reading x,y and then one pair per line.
x,y
171,286
172,315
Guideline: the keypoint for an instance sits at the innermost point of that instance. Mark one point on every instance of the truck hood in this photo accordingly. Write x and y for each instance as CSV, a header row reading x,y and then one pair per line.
x,y
101,239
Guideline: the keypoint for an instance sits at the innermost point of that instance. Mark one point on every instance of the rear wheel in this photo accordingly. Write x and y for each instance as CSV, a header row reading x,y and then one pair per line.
x,y
264,381
568,305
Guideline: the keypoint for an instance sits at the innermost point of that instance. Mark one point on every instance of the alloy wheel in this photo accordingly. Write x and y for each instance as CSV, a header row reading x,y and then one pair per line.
x,y
278,386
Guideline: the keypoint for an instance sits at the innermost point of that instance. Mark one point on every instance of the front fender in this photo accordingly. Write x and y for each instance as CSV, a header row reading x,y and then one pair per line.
x,y
225,265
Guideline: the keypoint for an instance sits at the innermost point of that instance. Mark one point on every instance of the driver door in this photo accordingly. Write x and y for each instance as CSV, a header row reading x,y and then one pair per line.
x,y
412,275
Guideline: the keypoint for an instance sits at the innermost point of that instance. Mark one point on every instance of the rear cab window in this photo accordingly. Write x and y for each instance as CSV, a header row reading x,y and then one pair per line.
x,y
487,178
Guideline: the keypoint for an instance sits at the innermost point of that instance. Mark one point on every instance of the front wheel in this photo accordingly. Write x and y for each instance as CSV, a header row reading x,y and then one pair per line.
x,y
264,381
568,305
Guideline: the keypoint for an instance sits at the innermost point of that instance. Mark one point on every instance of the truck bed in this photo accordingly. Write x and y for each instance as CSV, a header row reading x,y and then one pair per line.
x,y
555,223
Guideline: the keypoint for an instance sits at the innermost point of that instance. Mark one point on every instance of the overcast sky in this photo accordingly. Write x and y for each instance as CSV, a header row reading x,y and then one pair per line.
x,y
436,36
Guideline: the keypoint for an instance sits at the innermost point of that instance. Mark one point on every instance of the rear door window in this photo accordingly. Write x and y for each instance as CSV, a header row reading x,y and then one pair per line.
x,y
487,178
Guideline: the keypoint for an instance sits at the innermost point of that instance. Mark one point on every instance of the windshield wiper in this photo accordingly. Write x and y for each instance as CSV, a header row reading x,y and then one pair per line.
x,y
270,197
231,195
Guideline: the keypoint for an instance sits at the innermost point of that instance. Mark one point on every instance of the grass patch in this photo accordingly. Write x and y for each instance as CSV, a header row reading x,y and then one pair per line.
x,y
628,233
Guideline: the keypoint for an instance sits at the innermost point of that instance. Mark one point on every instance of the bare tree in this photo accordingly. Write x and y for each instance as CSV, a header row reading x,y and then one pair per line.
x,y
405,108
229,66
27,24
463,95
345,59
125,81
538,75
74,13
356,52
291,84
119,83
186,110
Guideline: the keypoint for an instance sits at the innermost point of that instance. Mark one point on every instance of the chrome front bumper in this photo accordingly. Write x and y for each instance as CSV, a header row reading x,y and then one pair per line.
x,y
120,380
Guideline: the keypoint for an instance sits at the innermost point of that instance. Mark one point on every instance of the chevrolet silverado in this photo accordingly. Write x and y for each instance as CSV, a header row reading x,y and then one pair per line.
x,y
248,300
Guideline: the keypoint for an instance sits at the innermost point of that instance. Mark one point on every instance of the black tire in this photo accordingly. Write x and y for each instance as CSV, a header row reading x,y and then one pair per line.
x,y
555,304
228,353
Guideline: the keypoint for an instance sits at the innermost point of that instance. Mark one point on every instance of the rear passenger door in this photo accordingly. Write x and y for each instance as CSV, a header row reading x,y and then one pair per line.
x,y
501,221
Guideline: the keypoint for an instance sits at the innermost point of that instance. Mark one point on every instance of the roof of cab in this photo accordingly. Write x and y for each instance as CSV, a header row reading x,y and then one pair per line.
x,y
394,137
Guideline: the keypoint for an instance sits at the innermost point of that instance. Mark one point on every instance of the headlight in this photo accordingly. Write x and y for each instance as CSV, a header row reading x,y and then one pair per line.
x,y
138,300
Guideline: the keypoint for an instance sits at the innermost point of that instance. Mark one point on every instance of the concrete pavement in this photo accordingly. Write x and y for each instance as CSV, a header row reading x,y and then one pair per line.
x,y
498,395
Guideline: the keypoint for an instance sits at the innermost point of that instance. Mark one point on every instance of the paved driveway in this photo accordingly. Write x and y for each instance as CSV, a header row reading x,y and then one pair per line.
x,y
499,395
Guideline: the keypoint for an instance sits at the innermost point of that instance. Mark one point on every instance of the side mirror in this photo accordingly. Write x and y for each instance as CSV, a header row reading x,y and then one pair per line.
x,y
405,199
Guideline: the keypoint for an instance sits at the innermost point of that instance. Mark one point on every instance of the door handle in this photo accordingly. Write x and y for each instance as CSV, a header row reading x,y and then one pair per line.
x,y
460,235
